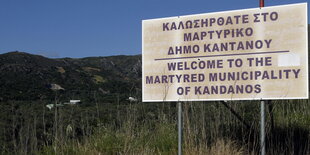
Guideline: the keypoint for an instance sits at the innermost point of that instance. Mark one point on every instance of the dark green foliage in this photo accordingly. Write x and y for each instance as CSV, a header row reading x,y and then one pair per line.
x,y
25,77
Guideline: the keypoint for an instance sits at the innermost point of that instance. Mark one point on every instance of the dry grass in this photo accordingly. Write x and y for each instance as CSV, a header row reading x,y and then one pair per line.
x,y
151,128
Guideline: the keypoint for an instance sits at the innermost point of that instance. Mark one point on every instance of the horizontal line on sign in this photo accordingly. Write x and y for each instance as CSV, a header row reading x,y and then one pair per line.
x,y
222,55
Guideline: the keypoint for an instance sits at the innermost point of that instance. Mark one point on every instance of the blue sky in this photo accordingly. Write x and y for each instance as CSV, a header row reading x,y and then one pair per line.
x,y
83,28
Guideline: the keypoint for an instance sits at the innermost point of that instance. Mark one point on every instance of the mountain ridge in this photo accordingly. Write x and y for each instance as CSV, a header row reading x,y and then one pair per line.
x,y
24,76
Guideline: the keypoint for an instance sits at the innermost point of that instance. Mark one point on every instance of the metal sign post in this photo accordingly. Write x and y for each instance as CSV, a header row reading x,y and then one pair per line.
x,y
179,128
262,128
261,3
262,111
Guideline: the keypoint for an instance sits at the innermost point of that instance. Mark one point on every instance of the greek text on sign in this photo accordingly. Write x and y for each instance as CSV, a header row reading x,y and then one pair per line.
x,y
235,55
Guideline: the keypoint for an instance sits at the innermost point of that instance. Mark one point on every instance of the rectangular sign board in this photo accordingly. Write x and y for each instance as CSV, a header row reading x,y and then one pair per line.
x,y
252,54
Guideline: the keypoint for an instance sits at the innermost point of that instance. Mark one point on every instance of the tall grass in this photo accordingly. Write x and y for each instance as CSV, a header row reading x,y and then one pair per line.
x,y
150,128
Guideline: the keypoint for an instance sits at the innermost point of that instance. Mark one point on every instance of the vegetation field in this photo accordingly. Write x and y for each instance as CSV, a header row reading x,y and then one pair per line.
x,y
124,127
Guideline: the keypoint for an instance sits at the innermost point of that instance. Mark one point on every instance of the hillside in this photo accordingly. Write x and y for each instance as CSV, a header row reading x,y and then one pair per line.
x,y
25,76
